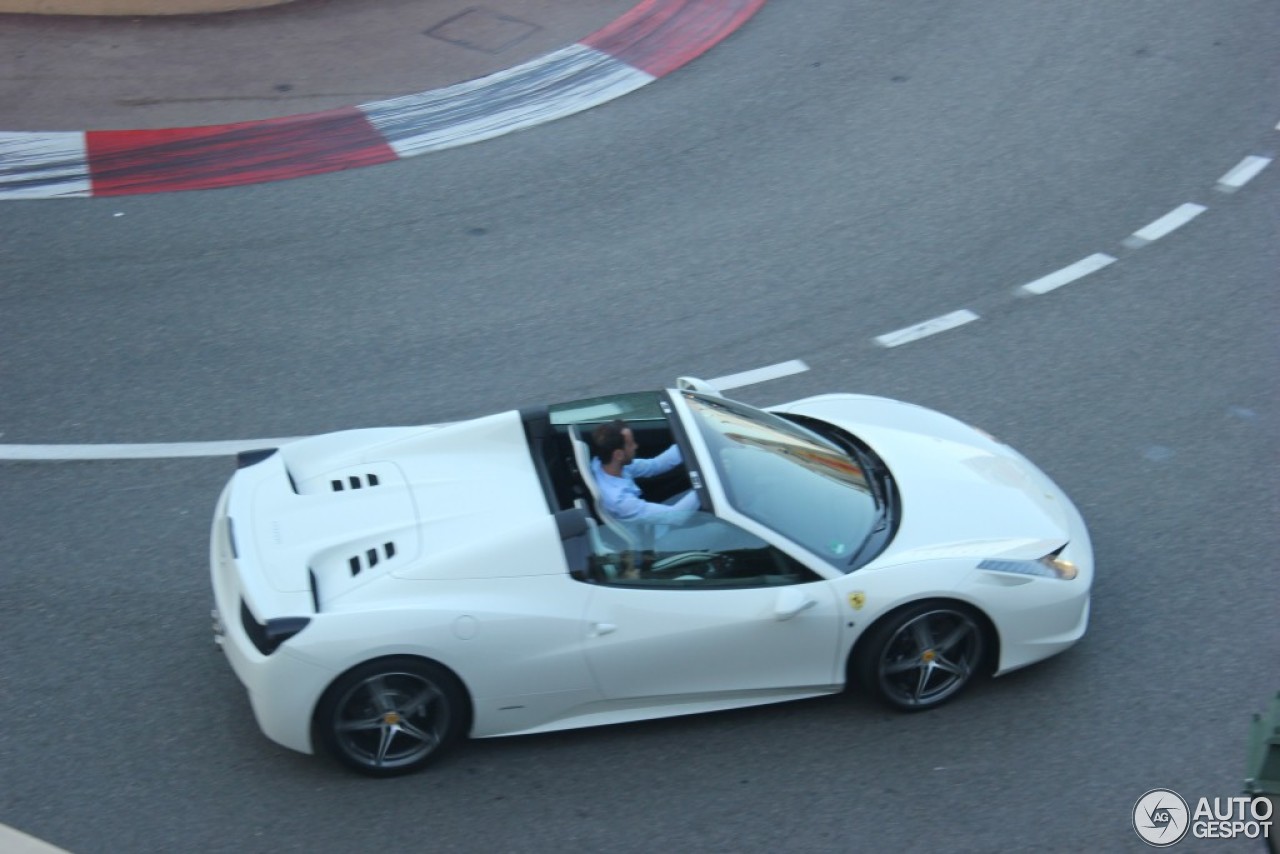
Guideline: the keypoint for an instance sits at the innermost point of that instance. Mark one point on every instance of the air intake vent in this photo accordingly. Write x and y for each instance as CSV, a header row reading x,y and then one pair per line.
x,y
359,476
370,558
354,481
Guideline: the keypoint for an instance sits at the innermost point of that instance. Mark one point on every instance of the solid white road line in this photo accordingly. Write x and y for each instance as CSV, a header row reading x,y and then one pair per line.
x,y
136,452
759,375
1067,275
232,447
1242,173
14,841
929,327
1174,219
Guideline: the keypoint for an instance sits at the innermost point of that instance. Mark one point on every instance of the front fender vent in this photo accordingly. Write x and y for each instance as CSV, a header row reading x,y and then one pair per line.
x,y
371,557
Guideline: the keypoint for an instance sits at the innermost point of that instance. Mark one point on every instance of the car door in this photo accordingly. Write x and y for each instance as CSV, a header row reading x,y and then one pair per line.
x,y
714,611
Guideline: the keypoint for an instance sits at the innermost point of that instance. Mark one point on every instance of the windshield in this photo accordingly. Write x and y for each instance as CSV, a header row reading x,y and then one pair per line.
x,y
784,476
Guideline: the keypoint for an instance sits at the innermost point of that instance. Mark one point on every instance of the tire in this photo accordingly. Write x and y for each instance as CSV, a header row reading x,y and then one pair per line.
x,y
391,716
922,655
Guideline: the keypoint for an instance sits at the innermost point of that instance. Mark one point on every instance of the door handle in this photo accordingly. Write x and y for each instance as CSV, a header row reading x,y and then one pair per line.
x,y
602,629
790,603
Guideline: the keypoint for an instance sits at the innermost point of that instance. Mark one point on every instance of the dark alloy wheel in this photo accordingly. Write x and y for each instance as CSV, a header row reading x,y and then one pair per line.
x,y
390,716
923,655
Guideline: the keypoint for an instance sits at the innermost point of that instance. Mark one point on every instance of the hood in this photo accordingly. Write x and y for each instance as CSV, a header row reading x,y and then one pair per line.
x,y
964,494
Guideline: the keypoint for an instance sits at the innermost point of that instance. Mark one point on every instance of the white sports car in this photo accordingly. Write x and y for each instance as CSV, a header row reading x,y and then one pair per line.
x,y
383,592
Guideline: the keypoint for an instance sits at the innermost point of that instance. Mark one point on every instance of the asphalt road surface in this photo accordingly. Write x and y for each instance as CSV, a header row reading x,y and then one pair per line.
x,y
837,170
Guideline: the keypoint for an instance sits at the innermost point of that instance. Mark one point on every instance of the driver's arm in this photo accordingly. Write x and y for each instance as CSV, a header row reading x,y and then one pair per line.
x,y
664,462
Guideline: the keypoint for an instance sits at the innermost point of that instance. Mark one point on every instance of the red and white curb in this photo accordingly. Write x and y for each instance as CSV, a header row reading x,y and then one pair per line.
x,y
651,40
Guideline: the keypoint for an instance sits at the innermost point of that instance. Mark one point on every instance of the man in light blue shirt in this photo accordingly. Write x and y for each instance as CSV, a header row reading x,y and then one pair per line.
x,y
616,469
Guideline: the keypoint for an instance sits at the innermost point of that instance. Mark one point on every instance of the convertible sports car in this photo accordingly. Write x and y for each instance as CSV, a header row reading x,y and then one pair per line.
x,y
383,592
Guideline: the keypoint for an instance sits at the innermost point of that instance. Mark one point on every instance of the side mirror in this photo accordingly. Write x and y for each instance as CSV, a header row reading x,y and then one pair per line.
x,y
695,384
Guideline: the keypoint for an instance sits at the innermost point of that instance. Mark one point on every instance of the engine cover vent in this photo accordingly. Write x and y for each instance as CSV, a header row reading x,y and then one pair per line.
x,y
370,557
354,481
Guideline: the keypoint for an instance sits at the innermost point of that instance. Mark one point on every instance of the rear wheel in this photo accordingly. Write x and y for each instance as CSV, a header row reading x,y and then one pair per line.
x,y
923,655
390,716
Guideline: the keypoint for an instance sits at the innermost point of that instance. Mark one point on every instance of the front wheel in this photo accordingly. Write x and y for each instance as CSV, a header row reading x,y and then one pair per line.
x,y
923,655
390,716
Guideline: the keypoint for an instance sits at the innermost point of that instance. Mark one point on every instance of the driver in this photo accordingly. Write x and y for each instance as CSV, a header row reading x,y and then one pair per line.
x,y
616,469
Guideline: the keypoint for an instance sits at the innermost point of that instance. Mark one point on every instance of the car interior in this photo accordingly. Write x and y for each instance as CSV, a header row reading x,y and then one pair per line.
x,y
603,550
552,451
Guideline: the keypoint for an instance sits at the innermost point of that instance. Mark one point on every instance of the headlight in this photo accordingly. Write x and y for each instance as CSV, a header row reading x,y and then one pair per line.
x,y
1049,566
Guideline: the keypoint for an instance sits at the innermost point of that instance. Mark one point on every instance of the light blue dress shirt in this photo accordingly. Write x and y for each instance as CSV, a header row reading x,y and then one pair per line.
x,y
623,500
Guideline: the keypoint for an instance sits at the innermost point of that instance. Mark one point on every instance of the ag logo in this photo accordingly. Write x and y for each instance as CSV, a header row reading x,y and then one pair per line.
x,y
857,600
1161,818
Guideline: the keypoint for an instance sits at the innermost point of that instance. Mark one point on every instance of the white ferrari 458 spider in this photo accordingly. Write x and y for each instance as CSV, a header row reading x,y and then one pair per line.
x,y
383,592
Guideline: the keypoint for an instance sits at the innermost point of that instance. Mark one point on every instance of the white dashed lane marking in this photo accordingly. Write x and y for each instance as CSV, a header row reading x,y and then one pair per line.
x,y
1242,173
759,375
924,330
1067,275
1239,175
1173,220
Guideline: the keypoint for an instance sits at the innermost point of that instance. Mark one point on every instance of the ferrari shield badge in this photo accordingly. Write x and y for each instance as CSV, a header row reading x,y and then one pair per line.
x,y
857,600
